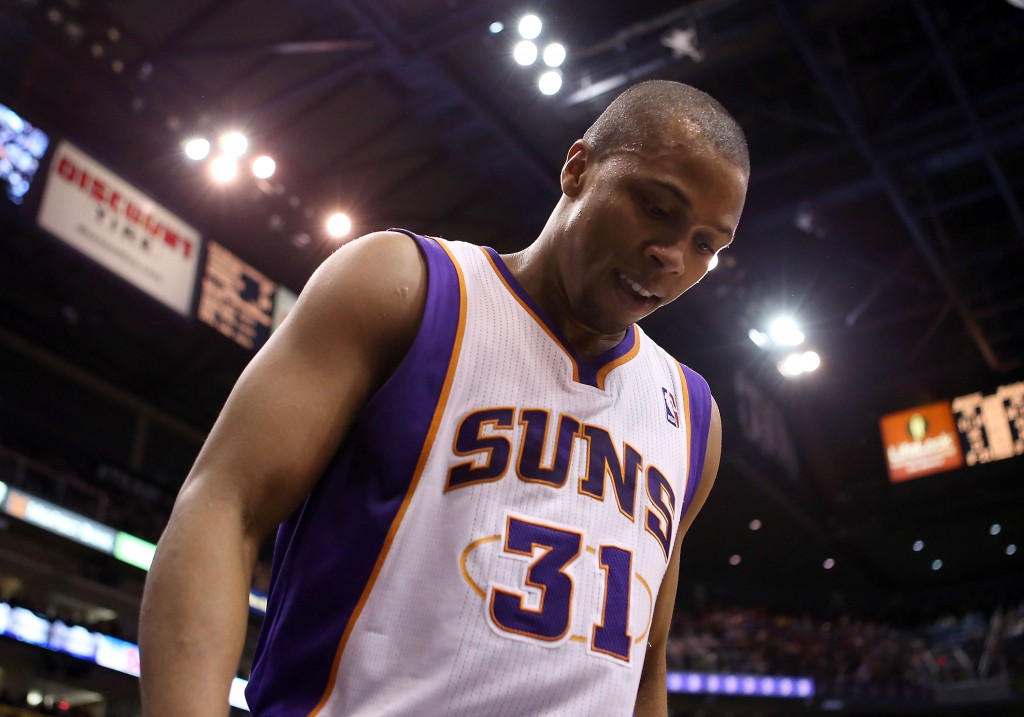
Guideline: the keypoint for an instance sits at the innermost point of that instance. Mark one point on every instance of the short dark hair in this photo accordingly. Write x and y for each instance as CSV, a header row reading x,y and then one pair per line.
x,y
640,113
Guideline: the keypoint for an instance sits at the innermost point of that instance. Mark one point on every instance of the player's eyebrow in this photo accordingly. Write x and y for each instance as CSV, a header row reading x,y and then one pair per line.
x,y
681,195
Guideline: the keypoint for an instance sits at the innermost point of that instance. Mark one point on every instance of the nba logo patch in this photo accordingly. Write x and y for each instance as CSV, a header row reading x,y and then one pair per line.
x,y
671,413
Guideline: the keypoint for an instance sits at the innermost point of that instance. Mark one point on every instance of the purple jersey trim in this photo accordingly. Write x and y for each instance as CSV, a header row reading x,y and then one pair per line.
x,y
587,370
325,553
700,426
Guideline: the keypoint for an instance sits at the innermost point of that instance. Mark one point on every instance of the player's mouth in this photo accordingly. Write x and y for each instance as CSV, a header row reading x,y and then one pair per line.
x,y
637,291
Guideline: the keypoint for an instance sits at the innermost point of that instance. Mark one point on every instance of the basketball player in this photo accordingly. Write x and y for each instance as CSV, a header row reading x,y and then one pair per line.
x,y
481,466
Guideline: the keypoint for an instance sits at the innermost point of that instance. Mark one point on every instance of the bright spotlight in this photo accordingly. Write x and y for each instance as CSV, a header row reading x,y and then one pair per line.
x,y
338,225
759,338
554,54
798,363
263,167
785,332
234,144
525,53
223,168
792,365
713,263
828,564
550,82
918,546
197,148
994,529
811,360
529,27
496,27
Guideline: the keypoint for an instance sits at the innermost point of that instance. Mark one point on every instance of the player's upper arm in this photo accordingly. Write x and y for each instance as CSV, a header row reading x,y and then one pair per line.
x,y
665,604
298,397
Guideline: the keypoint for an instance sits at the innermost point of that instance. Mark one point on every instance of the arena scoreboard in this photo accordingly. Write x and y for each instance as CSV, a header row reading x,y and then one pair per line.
x,y
969,430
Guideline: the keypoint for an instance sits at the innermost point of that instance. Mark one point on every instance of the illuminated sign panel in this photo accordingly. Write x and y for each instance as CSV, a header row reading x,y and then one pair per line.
x,y
123,546
134,551
110,221
114,654
702,683
22,146
992,426
60,521
921,441
236,299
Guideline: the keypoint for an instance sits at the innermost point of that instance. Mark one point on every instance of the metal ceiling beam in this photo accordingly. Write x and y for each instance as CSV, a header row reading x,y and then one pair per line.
x,y
411,68
735,45
916,162
917,136
829,84
955,83
437,36
925,69
172,41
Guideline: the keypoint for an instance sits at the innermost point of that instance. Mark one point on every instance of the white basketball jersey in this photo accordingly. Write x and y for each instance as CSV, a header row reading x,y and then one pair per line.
x,y
525,505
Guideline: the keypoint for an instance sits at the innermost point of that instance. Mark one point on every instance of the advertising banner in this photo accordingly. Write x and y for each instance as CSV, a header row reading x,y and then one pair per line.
x,y
101,215
921,441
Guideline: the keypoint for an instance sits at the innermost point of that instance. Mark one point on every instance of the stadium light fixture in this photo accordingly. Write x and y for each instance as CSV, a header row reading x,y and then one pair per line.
x,y
784,332
759,338
525,53
223,168
234,143
554,54
338,225
550,82
263,167
496,27
530,27
196,148
798,363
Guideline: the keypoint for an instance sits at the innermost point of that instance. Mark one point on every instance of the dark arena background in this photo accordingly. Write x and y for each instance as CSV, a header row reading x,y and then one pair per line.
x,y
862,551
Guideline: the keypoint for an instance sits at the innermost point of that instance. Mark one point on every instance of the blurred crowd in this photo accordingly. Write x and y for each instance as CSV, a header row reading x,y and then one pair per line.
x,y
854,657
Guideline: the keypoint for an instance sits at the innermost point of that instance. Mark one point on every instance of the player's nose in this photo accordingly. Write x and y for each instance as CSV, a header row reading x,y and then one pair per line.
x,y
668,257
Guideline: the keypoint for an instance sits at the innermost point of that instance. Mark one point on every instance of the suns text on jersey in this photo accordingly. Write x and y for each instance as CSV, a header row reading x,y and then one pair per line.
x,y
485,439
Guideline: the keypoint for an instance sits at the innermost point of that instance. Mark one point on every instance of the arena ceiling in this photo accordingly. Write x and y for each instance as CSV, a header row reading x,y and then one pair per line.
x,y
885,210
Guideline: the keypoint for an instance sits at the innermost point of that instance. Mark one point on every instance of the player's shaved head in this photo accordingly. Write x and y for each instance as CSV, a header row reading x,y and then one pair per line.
x,y
642,114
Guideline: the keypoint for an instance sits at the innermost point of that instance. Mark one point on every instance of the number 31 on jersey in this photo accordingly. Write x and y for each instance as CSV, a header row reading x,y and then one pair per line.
x,y
551,551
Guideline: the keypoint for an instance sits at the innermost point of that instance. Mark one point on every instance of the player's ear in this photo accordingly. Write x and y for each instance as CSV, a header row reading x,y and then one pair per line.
x,y
581,155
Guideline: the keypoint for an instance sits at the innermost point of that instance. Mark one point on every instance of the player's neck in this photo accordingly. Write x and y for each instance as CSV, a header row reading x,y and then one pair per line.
x,y
540,281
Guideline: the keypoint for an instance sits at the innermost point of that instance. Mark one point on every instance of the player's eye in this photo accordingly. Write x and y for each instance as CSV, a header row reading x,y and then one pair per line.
x,y
656,211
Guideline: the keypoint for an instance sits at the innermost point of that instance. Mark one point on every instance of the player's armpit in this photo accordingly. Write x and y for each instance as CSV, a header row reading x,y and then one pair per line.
x,y
652,695
283,421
